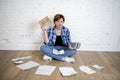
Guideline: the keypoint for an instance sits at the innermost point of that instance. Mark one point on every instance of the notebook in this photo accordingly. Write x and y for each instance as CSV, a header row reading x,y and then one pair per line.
x,y
45,70
67,71
27,65
86,70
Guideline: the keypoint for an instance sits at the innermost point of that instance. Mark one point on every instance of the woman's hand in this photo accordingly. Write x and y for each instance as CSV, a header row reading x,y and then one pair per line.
x,y
70,47
45,34
43,29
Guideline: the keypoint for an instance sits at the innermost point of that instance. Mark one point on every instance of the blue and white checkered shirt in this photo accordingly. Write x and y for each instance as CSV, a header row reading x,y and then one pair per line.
x,y
65,35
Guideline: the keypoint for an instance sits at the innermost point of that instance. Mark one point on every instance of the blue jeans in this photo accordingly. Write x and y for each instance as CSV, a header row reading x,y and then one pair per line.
x,y
48,50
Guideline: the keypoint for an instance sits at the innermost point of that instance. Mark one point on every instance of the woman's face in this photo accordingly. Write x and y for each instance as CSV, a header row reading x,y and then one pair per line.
x,y
59,23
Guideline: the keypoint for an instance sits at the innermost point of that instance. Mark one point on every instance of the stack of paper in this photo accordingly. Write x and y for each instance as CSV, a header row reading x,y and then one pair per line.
x,y
27,65
86,70
45,70
67,71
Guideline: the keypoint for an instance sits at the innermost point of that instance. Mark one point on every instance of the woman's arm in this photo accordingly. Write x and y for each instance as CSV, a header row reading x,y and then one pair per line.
x,y
70,47
45,34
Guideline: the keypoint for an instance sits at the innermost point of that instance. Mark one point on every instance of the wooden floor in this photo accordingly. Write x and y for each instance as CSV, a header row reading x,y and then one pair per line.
x,y
110,60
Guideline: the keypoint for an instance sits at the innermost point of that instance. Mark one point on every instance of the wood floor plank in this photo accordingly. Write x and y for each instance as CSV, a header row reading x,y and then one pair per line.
x,y
110,60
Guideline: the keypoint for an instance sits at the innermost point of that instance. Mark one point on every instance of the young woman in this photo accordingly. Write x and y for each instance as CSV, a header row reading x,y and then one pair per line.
x,y
58,37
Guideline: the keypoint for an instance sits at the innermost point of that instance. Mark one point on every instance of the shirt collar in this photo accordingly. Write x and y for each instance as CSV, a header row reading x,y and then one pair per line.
x,y
62,30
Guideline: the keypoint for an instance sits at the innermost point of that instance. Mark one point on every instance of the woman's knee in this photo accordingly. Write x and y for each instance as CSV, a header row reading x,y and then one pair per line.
x,y
46,48
74,51
43,47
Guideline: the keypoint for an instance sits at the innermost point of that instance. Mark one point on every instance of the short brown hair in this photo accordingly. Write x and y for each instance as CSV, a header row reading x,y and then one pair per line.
x,y
58,16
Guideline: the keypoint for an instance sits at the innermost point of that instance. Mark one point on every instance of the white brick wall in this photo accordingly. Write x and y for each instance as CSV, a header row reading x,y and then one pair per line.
x,y
95,23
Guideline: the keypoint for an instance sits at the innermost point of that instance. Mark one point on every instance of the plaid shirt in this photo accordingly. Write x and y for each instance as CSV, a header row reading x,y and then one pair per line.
x,y
65,36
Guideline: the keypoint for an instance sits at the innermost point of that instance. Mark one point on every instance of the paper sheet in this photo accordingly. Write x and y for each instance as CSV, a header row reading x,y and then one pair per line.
x,y
67,71
21,58
45,21
18,62
86,70
98,67
45,70
27,65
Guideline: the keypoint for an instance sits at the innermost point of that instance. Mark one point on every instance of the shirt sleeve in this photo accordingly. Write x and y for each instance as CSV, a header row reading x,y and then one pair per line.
x,y
68,37
48,32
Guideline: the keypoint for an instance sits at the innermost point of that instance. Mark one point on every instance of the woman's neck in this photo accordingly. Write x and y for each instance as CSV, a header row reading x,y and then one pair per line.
x,y
58,28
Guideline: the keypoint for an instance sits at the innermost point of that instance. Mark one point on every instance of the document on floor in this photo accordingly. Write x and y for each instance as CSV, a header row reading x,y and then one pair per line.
x,y
18,62
27,65
45,70
86,70
21,58
67,71
98,67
